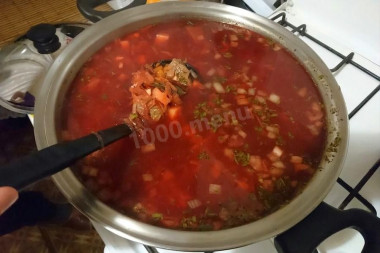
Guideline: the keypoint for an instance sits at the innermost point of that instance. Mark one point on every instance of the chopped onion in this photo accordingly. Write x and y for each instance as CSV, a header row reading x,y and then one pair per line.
x,y
242,134
161,37
242,100
147,177
148,148
272,129
277,151
217,56
277,172
229,153
149,91
241,91
278,164
316,107
211,72
234,37
271,135
251,91
224,214
215,189
234,44
260,99
261,40
194,203
255,162
274,98
296,159
208,85
218,87
276,47
313,129
134,107
302,92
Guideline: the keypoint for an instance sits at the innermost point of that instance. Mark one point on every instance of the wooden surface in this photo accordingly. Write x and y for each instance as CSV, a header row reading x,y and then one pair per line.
x,y
17,16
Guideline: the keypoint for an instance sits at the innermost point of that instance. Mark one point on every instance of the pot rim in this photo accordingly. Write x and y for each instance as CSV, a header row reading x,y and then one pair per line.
x,y
65,67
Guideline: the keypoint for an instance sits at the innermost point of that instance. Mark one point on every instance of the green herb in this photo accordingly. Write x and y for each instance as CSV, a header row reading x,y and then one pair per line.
x,y
183,80
155,113
230,88
133,116
80,97
203,156
157,216
180,91
218,101
220,79
227,55
280,196
280,141
241,157
235,122
216,122
258,129
189,222
201,111
160,86
104,96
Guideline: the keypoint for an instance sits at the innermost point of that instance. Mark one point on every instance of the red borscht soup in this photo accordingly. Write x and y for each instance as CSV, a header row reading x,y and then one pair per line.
x,y
245,139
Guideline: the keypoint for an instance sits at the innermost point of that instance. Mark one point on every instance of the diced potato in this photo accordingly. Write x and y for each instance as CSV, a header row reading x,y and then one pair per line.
x,y
148,148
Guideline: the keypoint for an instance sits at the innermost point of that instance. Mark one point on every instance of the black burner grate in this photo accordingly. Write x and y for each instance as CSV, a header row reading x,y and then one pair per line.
x,y
353,192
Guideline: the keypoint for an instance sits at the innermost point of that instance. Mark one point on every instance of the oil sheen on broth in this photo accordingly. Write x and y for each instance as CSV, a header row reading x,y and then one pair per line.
x,y
247,137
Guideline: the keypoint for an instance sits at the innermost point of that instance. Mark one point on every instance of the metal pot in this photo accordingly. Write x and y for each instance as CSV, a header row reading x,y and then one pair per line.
x,y
66,66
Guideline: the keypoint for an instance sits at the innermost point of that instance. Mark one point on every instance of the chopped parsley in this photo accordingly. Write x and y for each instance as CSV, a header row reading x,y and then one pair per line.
x,y
230,88
201,110
157,216
220,79
227,55
104,96
218,101
133,116
180,91
203,156
216,122
241,157
160,86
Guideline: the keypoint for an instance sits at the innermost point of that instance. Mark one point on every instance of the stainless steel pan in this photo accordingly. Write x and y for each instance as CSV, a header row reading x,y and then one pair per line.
x,y
66,66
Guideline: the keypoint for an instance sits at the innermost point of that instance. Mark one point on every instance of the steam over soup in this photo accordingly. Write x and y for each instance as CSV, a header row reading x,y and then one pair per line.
x,y
243,141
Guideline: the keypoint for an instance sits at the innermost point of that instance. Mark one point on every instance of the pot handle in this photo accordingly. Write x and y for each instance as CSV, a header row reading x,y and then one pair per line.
x,y
325,221
87,8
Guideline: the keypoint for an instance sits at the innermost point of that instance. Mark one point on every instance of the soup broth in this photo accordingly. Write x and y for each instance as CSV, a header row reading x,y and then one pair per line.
x,y
247,137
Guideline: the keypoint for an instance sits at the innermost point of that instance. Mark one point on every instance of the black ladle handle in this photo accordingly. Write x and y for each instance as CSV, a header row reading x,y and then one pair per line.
x,y
325,221
87,8
55,158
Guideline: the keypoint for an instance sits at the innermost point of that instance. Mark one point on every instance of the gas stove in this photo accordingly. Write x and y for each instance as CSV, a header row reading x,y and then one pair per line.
x,y
346,35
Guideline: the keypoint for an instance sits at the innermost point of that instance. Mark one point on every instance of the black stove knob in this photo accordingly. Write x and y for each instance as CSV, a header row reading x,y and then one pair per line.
x,y
44,38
